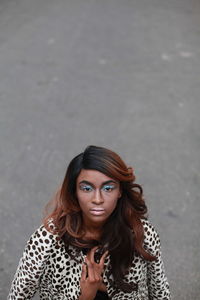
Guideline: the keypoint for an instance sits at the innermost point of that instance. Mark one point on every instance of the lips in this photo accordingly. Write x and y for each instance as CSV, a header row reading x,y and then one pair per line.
x,y
98,211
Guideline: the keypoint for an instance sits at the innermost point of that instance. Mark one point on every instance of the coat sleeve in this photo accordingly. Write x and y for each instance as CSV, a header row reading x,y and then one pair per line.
x,y
31,265
158,286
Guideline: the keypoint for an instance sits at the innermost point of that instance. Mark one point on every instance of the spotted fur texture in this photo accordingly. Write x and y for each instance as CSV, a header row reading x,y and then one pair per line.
x,y
55,272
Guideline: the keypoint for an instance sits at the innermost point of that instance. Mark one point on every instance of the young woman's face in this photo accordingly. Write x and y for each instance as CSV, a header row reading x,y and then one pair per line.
x,y
97,196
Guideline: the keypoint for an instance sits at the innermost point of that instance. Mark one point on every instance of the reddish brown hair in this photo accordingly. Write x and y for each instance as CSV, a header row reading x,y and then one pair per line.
x,y
123,233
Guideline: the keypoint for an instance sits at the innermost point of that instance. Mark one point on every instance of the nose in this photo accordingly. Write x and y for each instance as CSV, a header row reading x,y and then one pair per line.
x,y
97,199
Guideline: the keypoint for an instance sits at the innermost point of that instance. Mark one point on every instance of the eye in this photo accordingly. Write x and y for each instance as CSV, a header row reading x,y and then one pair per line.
x,y
108,188
86,188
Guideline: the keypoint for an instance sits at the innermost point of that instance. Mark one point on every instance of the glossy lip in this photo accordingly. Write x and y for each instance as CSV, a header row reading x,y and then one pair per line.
x,y
97,211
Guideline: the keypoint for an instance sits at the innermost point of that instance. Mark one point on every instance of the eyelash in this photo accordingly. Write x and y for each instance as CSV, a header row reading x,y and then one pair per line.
x,y
85,187
110,187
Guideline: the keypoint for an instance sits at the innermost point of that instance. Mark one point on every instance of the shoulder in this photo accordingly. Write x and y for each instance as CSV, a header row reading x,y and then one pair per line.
x,y
43,237
151,238
149,228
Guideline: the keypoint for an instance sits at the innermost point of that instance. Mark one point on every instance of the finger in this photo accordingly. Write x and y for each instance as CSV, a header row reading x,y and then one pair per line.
x,y
102,260
91,254
90,270
84,272
96,275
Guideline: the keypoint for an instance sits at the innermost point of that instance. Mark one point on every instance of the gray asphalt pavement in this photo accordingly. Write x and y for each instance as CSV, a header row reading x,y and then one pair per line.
x,y
120,74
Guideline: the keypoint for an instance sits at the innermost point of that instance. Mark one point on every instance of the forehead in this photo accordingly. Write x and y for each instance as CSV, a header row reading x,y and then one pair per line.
x,y
93,176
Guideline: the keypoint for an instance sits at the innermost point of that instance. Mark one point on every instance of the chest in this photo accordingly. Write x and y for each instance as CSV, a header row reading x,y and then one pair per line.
x,y
63,272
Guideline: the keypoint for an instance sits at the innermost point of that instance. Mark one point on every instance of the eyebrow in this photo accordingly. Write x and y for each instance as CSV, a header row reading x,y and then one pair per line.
x,y
103,183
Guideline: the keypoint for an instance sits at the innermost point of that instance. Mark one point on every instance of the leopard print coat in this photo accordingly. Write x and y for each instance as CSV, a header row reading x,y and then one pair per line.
x,y
47,266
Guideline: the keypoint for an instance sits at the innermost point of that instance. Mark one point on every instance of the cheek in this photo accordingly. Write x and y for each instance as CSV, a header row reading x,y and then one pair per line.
x,y
82,204
112,204
79,198
83,199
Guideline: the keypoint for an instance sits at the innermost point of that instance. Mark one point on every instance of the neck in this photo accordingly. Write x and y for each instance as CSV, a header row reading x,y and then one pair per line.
x,y
92,231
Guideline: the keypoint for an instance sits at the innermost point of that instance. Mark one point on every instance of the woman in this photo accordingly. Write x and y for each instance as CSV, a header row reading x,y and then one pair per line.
x,y
96,243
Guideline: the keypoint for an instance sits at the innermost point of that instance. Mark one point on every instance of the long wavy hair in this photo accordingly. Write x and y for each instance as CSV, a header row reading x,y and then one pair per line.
x,y
123,233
